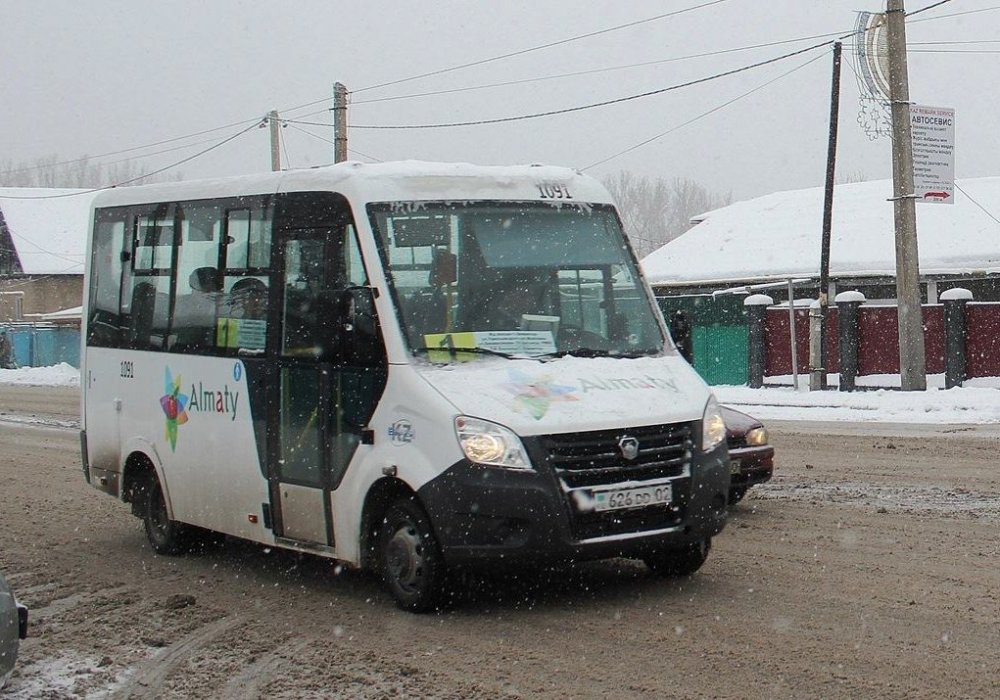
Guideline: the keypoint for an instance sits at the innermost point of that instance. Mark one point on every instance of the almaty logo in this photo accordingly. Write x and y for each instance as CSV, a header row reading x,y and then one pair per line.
x,y
174,404
534,395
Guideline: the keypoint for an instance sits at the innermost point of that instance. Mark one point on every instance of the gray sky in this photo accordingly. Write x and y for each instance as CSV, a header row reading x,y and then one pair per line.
x,y
88,78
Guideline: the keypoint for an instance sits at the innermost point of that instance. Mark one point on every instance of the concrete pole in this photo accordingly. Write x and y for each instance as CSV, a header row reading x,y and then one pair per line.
x,y
339,122
912,366
272,120
818,364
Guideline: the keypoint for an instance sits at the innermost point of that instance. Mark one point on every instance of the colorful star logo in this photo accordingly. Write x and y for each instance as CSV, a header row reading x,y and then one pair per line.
x,y
534,395
174,404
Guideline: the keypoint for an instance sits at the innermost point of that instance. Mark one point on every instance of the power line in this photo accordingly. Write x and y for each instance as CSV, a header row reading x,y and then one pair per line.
x,y
702,115
929,7
953,14
137,148
595,70
580,108
144,175
981,207
539,48
332,143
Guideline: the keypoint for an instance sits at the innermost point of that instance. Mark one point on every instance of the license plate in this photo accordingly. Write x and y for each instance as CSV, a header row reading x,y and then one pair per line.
x,y
734,466
637,497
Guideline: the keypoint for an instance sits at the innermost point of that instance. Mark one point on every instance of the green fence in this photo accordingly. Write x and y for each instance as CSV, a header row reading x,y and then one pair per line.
x,y
718,335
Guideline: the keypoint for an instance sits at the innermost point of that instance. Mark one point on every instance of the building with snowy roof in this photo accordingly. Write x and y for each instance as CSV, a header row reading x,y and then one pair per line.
x,y
777,237
43,238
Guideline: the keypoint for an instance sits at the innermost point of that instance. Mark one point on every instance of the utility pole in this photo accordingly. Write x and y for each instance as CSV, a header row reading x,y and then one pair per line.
x,y
912,367
817,376
339,122
272,120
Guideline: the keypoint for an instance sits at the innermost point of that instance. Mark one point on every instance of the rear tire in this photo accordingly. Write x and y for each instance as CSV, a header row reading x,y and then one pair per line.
x,y
410,560
165,535
680,562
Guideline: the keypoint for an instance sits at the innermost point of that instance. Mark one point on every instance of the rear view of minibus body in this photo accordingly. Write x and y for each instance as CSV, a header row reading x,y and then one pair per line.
x,y
451,366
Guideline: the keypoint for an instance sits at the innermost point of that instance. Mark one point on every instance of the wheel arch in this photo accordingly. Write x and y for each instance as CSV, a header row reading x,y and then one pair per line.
x,y
382,494
138,468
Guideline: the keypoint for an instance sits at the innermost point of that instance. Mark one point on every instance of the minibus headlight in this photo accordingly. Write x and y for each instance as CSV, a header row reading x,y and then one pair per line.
x,y
713,427
488,443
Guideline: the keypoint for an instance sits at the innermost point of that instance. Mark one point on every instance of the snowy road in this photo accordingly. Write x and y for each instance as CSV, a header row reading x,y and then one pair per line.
x,y
868,568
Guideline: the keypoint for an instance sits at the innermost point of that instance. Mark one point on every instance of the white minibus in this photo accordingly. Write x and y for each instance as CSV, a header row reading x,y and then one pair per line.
x,y
408,367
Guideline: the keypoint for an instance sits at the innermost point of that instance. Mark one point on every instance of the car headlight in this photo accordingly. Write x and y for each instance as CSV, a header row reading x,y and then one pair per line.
x,y
713,427
488,443
757,437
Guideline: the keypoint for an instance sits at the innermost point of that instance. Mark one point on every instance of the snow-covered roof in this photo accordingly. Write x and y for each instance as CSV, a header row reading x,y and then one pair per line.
x,y
48,227
778,236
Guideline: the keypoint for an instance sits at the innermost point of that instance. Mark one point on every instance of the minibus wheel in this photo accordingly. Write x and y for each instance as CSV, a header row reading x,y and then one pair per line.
x,y
680,562
410,559
165,535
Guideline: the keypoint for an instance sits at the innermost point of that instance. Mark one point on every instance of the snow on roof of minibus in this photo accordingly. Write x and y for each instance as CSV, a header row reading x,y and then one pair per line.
x,y
390,181
48,227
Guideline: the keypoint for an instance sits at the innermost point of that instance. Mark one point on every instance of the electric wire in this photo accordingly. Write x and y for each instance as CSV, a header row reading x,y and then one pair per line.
x,y
594,105
702,115
139,148
144,175
981,207
549,45
594,71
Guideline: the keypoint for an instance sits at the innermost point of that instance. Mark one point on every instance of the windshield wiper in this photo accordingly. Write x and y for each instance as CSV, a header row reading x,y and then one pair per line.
x,y
594,352
475,351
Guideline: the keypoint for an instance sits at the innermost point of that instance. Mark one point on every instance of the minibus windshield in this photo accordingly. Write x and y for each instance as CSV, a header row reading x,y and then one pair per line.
x,y
514,279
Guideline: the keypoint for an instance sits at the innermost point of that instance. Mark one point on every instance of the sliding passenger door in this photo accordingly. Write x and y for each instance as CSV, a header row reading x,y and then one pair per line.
x,y
315,415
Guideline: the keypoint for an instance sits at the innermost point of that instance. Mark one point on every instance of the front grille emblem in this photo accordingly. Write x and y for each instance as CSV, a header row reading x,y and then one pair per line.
x,y
629,447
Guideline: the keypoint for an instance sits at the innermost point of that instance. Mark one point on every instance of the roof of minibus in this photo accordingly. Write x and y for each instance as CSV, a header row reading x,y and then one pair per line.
x,y
385,182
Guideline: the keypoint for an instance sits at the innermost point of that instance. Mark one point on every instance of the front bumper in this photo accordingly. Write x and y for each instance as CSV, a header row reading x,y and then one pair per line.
x,y
751,465
483,514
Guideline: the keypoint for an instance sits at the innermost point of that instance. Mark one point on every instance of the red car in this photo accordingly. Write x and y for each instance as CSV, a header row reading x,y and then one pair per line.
x,y
751,457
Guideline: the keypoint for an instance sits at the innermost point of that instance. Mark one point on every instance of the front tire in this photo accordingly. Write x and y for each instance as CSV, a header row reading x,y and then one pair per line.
x,y
410,560
680,562
165,535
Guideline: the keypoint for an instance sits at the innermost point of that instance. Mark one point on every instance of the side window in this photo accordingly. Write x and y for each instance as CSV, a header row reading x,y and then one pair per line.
x,y
197,284
104,323
146,299
304,287
355,275
243,314
248,237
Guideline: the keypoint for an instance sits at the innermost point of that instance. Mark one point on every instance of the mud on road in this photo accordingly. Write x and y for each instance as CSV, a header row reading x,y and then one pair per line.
x,y
869,567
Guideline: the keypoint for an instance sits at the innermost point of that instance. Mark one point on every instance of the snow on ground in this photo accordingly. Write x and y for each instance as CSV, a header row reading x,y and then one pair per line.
x,y
57,375
977,402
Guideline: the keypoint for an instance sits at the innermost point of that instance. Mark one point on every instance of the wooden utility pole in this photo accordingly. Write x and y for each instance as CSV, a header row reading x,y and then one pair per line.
x,y
817,377
272,120
339,122
912,367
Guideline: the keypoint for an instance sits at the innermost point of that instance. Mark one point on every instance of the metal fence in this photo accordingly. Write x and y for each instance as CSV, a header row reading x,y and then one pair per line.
x,y
42,344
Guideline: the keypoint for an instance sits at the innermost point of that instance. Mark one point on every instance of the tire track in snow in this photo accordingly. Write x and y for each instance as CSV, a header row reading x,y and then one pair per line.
x,y
148,679
254,676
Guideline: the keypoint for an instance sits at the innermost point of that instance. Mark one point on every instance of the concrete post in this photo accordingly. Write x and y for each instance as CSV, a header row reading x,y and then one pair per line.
x,y
756,306
954,301
848,327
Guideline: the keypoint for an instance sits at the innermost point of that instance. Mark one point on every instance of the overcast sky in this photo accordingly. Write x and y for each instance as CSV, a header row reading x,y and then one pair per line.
x,y
89,78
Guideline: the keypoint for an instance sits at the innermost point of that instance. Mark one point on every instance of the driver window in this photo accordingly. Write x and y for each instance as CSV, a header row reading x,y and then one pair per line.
x,y
303,293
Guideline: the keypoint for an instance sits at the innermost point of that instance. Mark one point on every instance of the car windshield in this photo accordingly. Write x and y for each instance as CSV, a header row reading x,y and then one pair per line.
x,y
514,279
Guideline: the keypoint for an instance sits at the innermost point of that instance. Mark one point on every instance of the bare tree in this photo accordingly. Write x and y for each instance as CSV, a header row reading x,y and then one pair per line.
x,y
655,211
52,171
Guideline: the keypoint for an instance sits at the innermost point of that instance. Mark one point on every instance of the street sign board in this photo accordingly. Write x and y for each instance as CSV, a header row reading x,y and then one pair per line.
x,y
933,130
